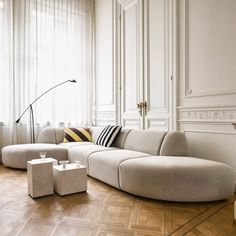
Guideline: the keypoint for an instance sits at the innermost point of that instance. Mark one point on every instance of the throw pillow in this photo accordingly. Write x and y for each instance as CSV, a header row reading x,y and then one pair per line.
x,y
77,135
108,135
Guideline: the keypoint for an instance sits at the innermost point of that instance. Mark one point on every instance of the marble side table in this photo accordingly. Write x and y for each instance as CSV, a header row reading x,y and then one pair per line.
x,y
72,179
40,177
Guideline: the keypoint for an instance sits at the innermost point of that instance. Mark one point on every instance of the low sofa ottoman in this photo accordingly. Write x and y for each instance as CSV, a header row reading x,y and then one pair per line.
x,y
16,156
182,179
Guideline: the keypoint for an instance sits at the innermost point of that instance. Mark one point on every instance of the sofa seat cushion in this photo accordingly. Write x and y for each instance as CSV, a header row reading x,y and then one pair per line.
x,y
16,156
82,152
105,165
177,178
75,144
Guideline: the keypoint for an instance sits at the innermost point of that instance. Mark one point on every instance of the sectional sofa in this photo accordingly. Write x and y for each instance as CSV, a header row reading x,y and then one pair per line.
x,y
146,163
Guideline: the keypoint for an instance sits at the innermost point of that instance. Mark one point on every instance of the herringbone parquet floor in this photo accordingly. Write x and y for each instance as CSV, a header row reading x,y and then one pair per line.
x,y
104,210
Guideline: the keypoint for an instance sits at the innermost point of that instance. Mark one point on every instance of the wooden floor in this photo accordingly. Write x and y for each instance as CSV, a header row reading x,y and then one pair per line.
x,y
104,210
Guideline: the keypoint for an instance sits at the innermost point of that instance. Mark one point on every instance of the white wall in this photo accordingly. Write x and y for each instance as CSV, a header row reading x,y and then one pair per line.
x,y
104,72
207,88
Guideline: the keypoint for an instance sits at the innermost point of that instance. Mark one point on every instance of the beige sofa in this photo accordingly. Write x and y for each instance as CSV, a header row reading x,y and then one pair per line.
x,y
147,163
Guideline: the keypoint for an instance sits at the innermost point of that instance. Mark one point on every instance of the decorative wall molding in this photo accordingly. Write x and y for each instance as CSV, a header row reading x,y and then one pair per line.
x,y
124,2
105,115
166,59
111,100
103,118
209,132
116,59
158,123
131,123
130,6
188,91
208,114
130,61
104,109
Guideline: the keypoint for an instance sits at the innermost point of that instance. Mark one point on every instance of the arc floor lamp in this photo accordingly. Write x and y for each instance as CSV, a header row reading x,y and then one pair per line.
x,y
30,107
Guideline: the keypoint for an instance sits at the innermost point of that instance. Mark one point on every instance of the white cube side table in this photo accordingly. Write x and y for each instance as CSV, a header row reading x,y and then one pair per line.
x,y
71,179
40,177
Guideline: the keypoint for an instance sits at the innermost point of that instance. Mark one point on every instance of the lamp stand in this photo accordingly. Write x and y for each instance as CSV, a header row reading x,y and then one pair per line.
x,y
32,133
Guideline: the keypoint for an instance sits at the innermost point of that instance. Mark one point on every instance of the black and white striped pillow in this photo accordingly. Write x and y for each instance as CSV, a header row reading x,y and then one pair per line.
x,y
108,135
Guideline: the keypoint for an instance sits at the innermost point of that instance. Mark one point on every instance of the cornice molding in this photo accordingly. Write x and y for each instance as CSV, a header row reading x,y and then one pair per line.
x,y
213,115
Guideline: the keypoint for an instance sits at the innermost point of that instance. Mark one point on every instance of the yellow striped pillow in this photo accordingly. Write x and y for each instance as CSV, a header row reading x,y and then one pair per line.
x,y
77,135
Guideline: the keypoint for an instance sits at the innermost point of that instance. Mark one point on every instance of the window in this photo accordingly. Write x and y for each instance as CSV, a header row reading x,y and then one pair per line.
x,y
45,43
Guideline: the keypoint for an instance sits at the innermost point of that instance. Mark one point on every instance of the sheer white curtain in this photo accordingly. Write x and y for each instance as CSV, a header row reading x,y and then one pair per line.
x,y
43,43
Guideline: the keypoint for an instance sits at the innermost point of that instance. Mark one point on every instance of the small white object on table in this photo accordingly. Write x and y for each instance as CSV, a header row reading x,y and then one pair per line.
x,y
40,177
72,179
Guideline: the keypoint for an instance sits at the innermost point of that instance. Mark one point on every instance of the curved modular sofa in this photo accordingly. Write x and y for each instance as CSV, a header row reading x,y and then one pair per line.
x,y
147,163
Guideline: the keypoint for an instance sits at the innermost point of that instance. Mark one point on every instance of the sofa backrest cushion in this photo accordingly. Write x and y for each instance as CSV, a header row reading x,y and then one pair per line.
x,y
175,144
59,135
148,141
56,135
95,131
51,135
120,138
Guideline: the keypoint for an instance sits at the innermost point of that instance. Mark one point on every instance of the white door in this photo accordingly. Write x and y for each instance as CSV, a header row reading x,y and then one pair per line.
x,y
157,64
131,63
146,64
